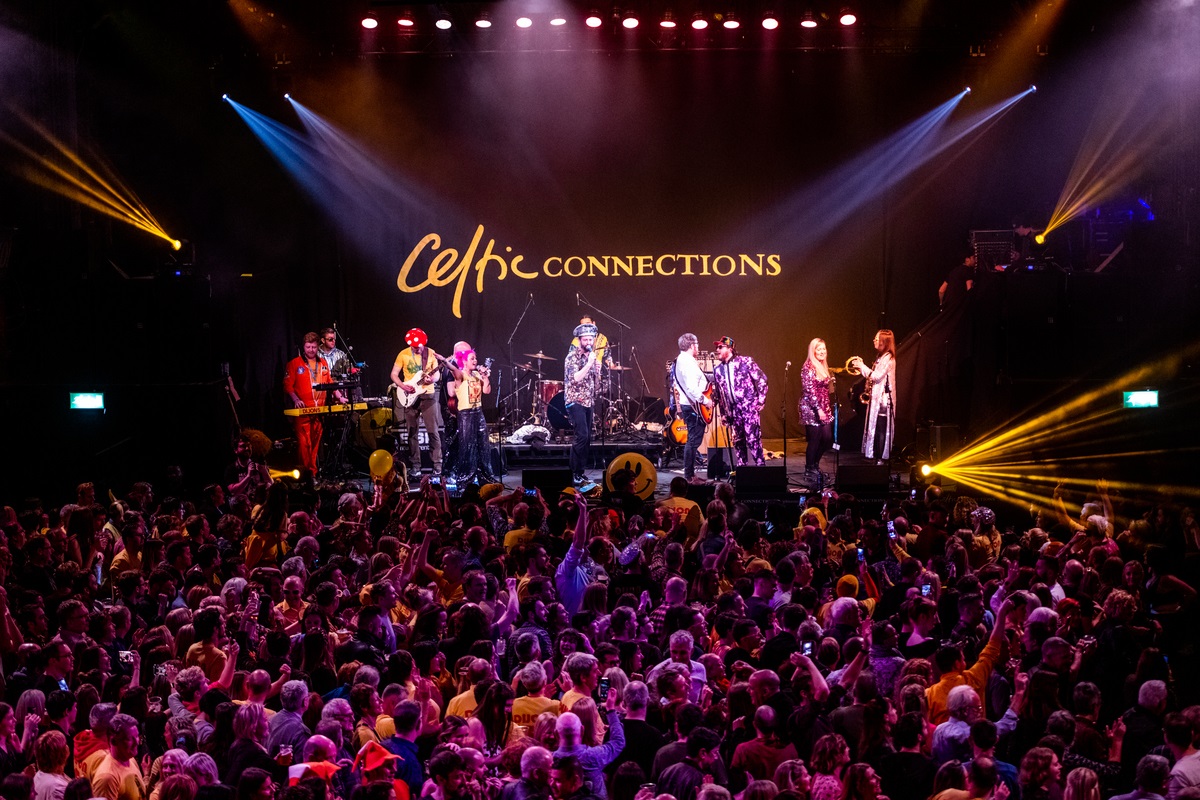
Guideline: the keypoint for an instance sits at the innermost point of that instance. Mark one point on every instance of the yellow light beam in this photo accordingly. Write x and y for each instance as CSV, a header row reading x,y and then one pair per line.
x,y
1072,408
80,181
134,206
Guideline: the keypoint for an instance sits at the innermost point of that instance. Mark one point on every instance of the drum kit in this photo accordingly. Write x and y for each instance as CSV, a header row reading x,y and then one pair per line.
x,y
538,397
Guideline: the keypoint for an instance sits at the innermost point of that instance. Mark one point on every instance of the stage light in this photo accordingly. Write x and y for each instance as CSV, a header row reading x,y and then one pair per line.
x,y
406,20
967,90
225,97
483,21
769,21
1032,88
593,20
370,21
926,470
731,22
443,23
1039,239
699,23
524,22
176,244
631,20
667,21
287,96
809,20
847,18
558,21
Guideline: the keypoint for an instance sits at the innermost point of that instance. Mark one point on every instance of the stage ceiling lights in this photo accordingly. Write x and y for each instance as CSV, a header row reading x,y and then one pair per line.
x,y
847,17
809,20
699,23
443,21
769,21
731,22
524,22
593,20
630,20
483,20
370,21
667,21
558,21
406,20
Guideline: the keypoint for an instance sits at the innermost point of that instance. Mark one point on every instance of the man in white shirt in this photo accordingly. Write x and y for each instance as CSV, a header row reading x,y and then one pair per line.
x,y
681,645
689,385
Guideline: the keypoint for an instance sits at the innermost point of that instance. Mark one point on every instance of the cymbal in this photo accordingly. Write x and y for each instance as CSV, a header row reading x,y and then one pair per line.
x,y
540,355
528,368
619,368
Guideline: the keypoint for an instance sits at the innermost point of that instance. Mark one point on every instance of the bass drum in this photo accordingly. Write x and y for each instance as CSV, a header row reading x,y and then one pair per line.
x,y
556,410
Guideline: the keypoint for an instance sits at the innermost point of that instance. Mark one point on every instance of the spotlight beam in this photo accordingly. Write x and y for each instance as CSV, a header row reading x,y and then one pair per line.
x,y
815,212
80,181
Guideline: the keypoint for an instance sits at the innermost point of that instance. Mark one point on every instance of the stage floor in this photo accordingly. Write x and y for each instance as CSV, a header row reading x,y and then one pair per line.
x,y
831,463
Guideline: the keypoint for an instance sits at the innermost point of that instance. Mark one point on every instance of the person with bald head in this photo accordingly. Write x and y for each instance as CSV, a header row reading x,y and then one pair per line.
x,y
762,755
674,594
534,783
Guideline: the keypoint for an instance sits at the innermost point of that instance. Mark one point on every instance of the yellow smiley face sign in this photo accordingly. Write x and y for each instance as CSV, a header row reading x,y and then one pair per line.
x,y
645,476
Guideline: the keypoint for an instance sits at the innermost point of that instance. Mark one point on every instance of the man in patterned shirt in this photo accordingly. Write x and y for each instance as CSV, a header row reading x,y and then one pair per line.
x,y
582,376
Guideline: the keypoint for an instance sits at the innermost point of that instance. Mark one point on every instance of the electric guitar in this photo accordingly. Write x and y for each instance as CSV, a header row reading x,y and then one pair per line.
x,y
417,381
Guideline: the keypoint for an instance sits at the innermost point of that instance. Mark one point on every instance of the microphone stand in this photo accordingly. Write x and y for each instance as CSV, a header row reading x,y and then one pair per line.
x,y
509,345
584,301
783,415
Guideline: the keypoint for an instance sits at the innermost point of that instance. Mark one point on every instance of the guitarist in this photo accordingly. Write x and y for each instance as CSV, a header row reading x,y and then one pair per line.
x,y
416,375
695,403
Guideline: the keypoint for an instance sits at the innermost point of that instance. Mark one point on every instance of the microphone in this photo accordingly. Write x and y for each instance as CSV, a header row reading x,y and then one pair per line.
x,y
788,365
531,299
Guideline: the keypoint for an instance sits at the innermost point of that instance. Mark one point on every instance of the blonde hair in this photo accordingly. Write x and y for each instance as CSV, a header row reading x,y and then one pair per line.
x,y
589,715
1082,784
820,367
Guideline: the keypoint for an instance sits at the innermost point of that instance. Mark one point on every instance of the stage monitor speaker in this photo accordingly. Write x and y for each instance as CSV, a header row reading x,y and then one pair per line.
x,y
759,482
717,470
863,478
701,494
943,442
551,480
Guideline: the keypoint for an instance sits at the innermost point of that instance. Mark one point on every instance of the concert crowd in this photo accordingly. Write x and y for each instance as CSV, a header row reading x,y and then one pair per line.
x,y
263,639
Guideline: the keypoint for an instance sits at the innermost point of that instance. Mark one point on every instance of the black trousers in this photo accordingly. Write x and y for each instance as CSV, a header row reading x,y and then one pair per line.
x,y
695,437
820,439
581,420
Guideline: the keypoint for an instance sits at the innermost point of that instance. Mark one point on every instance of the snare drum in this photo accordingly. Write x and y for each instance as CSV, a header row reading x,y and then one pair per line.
x,y
548,389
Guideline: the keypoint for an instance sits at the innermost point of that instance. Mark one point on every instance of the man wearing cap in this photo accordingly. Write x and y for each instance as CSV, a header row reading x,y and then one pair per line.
x,y
582,376
741,394
417,371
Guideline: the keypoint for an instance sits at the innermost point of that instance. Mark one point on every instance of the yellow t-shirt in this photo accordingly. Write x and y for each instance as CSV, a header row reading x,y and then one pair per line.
x,y
208,657
116,781
517,537
123,562
526,710
462,705
689,509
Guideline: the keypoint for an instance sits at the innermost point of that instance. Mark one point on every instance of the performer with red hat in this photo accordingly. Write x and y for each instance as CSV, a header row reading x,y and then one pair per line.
x,y
416,375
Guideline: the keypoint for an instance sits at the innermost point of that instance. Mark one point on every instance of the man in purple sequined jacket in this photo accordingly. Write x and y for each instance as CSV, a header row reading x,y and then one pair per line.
x,y
741,393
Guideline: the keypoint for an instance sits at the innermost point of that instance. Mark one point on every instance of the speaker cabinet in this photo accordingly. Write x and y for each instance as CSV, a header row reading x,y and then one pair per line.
x,y
550,480
869,479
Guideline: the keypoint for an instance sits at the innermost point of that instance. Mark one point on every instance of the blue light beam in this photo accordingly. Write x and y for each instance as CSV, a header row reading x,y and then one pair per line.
x,y
806,218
